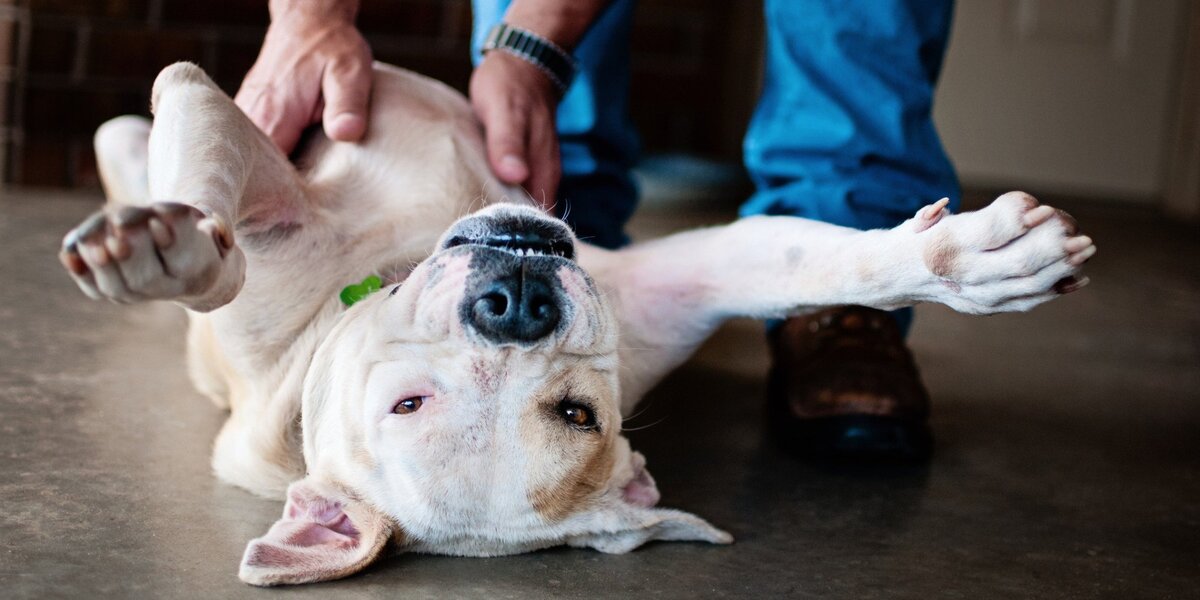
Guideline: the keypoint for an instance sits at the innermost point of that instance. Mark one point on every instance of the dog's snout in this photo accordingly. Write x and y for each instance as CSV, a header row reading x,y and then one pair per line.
x,y
519,307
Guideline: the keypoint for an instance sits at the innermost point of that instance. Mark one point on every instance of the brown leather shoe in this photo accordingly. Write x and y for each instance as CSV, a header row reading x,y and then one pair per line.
x,y
844,386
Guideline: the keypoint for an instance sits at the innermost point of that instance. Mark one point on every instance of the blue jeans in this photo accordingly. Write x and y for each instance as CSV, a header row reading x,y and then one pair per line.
x,y
843,131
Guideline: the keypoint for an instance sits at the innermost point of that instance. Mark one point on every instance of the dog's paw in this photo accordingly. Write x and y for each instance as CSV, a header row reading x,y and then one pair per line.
x,y
162,251
1010,256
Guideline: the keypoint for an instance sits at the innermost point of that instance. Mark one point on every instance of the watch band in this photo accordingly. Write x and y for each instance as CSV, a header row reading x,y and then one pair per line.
x,y
538,51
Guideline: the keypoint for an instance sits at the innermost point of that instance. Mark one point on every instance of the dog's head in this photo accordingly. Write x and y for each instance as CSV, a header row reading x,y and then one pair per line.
x,y
471,410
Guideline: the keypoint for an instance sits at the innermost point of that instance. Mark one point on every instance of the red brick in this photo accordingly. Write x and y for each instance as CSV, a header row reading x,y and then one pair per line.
x,y
51,49
84,173
452,67
76,113
44,163
456,20
419,18
117,9
234,59
140,53
217,12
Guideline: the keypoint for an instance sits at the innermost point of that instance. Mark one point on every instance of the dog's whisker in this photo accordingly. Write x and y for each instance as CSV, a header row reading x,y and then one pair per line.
x,y
639,412
627,429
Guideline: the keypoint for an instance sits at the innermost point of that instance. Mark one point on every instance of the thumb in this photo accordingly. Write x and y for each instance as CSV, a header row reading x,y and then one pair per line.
x,y
347,89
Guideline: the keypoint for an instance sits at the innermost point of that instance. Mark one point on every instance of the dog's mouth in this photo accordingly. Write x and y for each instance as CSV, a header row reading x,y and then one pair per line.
x,y
518,233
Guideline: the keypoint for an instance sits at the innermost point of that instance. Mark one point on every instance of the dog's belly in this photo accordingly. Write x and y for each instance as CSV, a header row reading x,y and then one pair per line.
x,y
420,166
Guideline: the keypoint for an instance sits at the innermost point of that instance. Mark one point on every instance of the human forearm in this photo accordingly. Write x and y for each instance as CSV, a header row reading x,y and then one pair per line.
x,y
561,21
341,10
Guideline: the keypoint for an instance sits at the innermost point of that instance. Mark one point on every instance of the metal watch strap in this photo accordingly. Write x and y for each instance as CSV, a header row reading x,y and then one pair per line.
x,y
555,62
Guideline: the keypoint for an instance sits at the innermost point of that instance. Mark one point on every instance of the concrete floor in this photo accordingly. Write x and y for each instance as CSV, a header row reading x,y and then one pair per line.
x,y
1067,464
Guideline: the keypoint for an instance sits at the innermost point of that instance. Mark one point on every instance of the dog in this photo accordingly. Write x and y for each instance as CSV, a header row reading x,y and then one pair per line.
x,y
473,405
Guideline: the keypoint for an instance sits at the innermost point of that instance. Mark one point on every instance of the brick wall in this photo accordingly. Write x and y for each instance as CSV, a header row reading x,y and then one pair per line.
x,y
78,63
9,15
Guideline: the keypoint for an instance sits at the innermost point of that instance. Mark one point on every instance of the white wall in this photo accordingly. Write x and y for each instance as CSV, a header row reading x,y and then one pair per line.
x,y
1066,96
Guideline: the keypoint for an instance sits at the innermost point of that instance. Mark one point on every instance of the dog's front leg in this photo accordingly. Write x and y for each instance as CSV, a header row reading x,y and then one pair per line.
x,y
672,293
209,169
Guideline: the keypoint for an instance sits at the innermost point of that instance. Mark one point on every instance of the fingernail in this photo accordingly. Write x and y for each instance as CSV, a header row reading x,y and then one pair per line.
x,y
347,127
513,166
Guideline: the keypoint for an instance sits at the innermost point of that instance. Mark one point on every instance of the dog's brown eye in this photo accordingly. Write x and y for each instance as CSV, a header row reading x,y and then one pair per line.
x,y
577,415
408,405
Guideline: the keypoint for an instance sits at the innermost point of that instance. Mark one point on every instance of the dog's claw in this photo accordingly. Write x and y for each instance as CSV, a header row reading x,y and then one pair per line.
x,y
929,216
94,224
1037,215
70,259
130,254
132,216
1082,256
1070,284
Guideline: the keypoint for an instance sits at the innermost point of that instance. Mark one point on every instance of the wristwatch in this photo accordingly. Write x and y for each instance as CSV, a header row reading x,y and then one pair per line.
x,y
538,51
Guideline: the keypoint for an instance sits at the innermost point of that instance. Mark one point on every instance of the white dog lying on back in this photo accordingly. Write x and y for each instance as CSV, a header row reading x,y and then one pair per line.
x,y
473,406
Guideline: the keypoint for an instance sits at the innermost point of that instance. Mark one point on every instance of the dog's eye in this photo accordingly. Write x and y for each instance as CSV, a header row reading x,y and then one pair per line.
x,y
577,415
408,405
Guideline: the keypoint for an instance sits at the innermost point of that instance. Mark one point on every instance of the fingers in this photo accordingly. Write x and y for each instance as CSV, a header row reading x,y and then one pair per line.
x,y
310,69
522,147
516,102
506,128
282,115
545,162
347,90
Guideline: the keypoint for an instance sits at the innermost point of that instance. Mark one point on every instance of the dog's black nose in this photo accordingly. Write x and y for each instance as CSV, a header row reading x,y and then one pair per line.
x,y
518,307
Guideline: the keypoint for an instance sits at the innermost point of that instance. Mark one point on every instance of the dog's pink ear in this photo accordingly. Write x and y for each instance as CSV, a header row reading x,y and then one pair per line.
x,y
641,490
621,522
324,534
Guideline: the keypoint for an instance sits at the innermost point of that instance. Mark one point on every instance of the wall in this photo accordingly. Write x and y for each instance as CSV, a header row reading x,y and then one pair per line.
x,y
89,60
8,28
1064,96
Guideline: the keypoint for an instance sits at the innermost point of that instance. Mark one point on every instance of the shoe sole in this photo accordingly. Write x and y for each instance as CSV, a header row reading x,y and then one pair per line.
x,y
857,438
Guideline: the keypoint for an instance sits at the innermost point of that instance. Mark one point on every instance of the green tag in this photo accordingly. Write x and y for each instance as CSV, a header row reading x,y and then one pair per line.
x,y
357,291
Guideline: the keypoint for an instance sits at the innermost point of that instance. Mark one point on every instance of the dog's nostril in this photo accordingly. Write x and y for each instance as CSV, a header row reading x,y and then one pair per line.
x,y
494,303
520,307
542,307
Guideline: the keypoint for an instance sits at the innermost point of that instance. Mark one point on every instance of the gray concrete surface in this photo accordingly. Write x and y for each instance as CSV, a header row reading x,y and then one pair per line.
x,y
1067,465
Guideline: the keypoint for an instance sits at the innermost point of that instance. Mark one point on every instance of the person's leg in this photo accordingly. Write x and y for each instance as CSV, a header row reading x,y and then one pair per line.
x,y
598,143
843,133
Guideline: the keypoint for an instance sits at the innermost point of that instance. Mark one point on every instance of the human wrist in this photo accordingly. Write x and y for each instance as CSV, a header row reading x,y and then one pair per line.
x,y
337,11
556,65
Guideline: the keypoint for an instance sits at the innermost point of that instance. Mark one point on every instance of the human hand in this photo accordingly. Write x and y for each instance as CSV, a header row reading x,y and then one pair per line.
x,y
314,66
516,103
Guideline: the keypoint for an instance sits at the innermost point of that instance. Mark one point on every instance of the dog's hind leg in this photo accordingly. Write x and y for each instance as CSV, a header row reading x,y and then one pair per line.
x,y
206,169
122,151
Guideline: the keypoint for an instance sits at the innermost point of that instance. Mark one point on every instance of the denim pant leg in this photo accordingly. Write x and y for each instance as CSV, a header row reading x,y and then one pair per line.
x,y
843,131
598,144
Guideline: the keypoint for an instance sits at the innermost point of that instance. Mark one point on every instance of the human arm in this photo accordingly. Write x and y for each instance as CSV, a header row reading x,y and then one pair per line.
x,y
314,66
516,101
